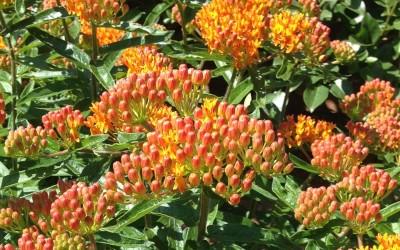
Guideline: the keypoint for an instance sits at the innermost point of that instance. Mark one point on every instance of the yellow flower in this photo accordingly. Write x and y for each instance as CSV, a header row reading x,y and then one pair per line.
x,y
158,112
304,130
98,122
144,59
234,27
385,242
288,30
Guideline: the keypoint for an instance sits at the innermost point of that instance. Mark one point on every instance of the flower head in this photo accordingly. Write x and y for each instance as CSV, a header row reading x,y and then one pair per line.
x,y
235,28
315,206
145,59
64,124
368,182
311,7
32,239
335,155
27,141
372,94
7,247
360,214
305,130
343,52
385,242
82,209
68,240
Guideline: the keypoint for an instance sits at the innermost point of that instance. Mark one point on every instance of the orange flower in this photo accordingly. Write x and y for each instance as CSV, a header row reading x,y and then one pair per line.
x,y
144,59
5,3
304,130
288,30
234,27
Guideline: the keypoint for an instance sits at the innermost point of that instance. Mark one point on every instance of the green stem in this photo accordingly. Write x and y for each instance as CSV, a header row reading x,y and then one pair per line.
x,y
360,240
230,84
92,240
182,12
14,87
94,59
147,221
65,26
203,215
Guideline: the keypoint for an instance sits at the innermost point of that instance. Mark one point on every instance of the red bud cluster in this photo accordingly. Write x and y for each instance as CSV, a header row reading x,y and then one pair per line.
x,y
372,94
311,7
318,40
185,86
31,239
336,155
221,147
315,206
368,182
65,124
82,209
38,210
360,214
7,247
27,141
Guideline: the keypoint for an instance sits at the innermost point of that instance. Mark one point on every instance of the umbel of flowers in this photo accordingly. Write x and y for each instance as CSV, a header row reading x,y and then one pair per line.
x,y
375,116
385,242
221,147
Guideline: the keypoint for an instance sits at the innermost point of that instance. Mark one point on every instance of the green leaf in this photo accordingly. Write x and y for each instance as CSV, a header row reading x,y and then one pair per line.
x,y
263,192
285,72
370,32
103,75
62,47
128,237
133,42
288,193
131,137
245,234
93,140
299,163
135,213
390,210
156,12
314,96
41,17
237,94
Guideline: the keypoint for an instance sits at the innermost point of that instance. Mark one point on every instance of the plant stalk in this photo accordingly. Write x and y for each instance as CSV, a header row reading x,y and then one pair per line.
x,y
92,240
14,87
285,102
148,221
360,240
182,12
65,26
203,215
94,59
230,84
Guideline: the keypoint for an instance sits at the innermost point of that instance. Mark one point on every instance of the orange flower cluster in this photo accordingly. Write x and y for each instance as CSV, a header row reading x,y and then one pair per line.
x,y
294,32
31,239
27,141
305,130
137,101
234,27
221,147
107,36
385,242
372,95
82,209
64,124
145,59
335,155
38,210
360,214
343,52
373,184
376,107
96,10
49,4
315,206
311,7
